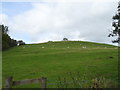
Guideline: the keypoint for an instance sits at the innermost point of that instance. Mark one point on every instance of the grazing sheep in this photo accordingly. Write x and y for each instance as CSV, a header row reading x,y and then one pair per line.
x,y
68,47
83,47
23,47
43,47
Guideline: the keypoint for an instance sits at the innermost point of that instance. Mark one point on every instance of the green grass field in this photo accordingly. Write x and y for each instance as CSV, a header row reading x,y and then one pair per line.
x,y
54,59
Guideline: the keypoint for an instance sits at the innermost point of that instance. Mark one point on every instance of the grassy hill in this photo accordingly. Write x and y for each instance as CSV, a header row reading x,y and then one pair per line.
x,y
64,59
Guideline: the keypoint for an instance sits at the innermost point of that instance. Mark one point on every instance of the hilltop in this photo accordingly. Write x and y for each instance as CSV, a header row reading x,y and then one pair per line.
x,y
71,44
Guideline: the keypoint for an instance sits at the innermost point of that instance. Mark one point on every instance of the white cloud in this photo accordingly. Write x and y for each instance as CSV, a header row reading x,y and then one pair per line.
x,y
58,0
4,19
76,21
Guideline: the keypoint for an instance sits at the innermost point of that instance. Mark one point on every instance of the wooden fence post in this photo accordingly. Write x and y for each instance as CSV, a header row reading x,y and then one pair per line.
x,y
43,83
8,83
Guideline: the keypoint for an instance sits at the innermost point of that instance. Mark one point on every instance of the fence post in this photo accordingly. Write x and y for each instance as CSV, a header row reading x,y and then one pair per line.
x,y
43,83
8,83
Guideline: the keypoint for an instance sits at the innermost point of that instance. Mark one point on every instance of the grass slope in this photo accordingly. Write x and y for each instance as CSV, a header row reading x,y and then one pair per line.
x,y
53,59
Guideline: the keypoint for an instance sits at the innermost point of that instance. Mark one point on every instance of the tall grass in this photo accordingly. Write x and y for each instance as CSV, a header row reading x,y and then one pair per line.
x,y
77,80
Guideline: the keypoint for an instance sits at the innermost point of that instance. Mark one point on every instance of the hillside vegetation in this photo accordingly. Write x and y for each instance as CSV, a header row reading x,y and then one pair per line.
x,y
54,59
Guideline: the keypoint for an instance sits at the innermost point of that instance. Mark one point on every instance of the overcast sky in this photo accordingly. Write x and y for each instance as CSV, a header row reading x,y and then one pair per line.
x,y
51,20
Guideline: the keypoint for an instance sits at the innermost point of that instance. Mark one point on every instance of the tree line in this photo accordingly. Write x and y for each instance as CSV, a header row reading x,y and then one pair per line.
x,y
7,41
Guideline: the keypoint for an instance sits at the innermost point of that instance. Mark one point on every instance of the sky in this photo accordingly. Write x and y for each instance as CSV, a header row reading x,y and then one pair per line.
x,y
37,21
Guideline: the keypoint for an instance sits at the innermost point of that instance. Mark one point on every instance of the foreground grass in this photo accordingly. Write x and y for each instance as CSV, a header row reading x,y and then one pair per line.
x,y
55,59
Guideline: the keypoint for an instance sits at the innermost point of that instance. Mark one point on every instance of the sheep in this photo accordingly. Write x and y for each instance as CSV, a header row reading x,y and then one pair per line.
x,y
83,47
43,47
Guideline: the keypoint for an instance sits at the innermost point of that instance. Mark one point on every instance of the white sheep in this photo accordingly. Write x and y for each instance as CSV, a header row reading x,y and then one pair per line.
x,y
83,47
43,47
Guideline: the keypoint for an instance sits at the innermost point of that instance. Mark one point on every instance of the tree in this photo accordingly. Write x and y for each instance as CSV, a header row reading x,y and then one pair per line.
x,y
20,42
116,26
7,42
65,39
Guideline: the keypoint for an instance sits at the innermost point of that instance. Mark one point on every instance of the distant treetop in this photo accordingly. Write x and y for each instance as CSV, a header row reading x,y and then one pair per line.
x,y
65,39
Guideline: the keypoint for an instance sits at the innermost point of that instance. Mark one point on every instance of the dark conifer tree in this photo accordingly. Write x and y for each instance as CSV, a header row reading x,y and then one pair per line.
x,y
116,26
